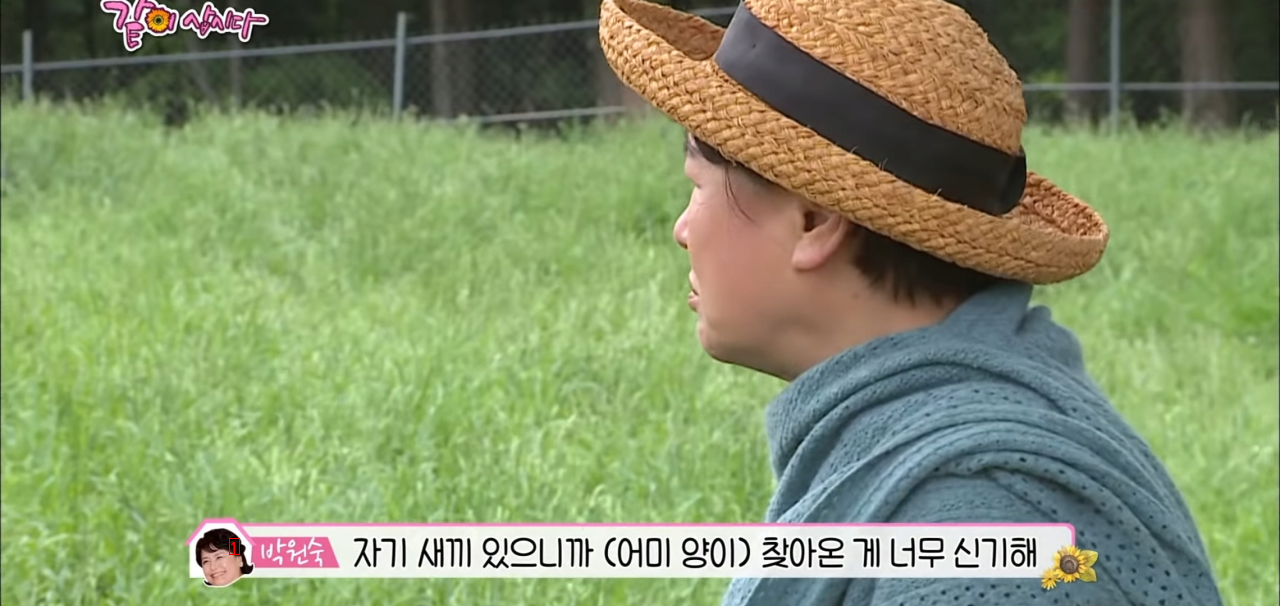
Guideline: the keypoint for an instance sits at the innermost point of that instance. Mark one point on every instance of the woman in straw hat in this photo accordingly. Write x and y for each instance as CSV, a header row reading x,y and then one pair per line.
x,y
863,225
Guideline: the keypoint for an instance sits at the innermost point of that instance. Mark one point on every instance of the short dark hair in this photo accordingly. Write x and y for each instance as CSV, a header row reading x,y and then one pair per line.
x,y
219,539
908,273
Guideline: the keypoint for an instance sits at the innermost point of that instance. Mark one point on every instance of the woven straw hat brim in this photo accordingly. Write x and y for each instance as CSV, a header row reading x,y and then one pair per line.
x,y
666,56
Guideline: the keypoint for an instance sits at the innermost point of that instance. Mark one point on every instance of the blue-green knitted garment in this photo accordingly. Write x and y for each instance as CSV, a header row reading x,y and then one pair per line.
x,y
988,416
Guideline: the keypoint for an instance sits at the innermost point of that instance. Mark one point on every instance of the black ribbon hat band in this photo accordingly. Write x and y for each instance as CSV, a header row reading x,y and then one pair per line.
x,y
860,121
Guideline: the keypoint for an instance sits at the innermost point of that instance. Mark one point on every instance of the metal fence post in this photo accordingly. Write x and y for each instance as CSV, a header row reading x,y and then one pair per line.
x,y
1114,88
28,66
397,87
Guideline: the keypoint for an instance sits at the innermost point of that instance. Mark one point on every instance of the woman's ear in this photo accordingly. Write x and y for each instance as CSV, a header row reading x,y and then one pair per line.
x,y
824,235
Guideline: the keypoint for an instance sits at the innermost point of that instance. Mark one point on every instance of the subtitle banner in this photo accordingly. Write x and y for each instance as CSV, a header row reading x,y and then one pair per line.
x,y
629,550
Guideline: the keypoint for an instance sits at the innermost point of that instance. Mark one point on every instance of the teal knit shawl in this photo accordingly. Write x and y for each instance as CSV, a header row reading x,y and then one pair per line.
x,y
988,416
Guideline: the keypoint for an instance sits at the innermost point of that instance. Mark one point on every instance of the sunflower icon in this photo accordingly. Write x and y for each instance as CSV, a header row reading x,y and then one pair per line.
x,y
1069,565
158,20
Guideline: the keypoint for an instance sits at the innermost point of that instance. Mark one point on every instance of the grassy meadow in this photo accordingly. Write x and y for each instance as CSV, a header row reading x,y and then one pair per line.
x,y
341,320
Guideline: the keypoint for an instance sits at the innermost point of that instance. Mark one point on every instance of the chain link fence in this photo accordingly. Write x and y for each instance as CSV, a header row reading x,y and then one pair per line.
x,y
1076,57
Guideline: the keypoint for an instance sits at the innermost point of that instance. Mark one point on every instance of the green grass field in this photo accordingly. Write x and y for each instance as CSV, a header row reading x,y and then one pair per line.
x,y
353,321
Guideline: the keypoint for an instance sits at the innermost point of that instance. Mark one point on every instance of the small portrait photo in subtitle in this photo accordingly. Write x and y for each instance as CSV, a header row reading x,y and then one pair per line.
x,y
222,555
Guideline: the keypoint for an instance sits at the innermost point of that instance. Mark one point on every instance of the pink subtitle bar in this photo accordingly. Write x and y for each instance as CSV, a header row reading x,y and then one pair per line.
x,y
293,552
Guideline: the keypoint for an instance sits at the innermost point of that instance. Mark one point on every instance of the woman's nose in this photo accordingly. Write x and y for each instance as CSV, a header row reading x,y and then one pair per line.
x,y
681,229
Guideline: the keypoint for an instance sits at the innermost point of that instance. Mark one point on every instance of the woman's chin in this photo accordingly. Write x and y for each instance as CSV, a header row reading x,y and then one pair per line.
x,y
713,344
704,335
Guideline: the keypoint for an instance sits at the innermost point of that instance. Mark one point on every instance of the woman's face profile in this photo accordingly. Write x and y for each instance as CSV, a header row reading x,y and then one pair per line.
x,y
736,236
220,567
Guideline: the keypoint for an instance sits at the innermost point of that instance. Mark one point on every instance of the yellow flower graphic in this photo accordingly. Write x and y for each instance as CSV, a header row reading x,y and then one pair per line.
x,y
1050,579
158,20
1069,565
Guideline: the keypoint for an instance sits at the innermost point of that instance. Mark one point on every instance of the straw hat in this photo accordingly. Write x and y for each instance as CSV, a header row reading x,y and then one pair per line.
x,y
897,113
